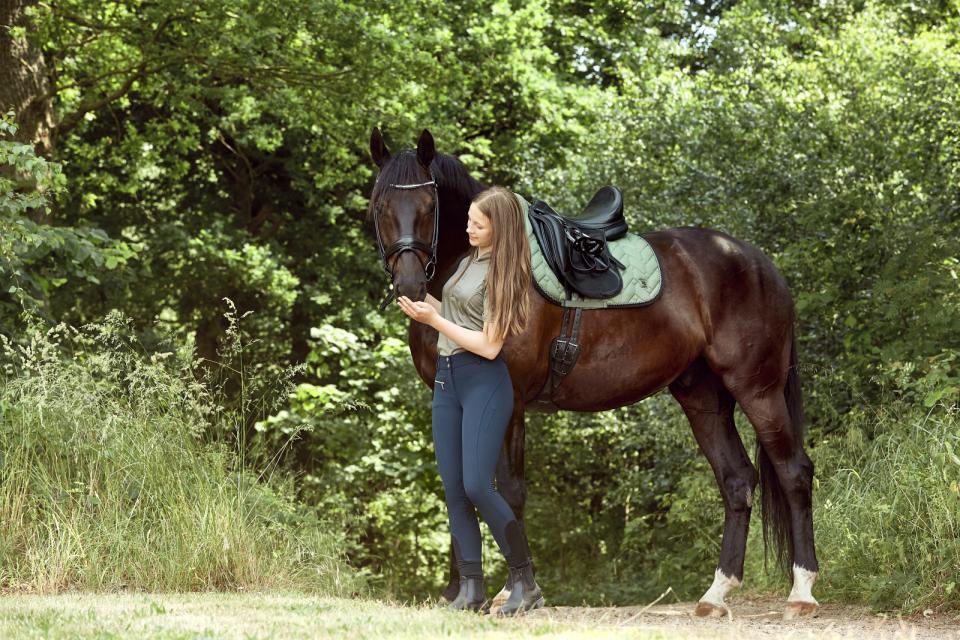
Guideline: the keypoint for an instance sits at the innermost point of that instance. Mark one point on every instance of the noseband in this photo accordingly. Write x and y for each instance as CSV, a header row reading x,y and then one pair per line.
x,y
409,242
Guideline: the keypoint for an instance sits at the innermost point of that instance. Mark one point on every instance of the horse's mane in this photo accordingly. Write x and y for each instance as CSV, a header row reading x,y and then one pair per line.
x,y
452,175
404,168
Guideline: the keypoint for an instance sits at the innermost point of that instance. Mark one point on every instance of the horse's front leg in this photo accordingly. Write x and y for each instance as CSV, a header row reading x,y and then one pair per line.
x,y
453,586
510,479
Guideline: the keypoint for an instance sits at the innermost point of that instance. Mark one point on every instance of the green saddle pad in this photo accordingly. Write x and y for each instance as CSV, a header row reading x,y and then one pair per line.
x,y
641,278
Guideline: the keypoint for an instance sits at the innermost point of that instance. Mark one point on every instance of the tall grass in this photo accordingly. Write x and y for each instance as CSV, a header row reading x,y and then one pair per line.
x,y
110,479
887,509
888,516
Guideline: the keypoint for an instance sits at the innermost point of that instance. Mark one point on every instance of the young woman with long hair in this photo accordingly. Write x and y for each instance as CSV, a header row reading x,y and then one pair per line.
x,y
484,302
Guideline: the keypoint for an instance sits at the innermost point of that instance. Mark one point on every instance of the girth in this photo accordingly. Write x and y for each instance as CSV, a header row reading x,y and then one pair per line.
x,y
564,351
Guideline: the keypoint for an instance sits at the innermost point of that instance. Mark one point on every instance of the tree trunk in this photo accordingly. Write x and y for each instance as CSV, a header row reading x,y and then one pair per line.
x,y
24,85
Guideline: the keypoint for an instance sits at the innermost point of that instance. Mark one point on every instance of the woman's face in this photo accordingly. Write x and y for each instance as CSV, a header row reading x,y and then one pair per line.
x,y
479,229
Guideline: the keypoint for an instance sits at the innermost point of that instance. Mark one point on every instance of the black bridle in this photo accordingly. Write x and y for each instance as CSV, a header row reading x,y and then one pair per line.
x,y
409,242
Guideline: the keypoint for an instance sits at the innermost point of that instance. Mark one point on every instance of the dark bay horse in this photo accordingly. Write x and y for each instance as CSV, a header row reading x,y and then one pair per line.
x,y
721,333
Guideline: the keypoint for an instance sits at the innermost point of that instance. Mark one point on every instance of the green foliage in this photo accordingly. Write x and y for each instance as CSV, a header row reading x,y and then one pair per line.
x,y
837,158
110,481
24,166
610,504
367,456
36,258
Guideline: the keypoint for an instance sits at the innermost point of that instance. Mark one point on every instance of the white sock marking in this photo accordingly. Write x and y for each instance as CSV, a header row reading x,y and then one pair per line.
x,y
802,585
722,585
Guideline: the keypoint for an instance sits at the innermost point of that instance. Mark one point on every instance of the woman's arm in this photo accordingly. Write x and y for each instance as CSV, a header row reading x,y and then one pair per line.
x,y
475,341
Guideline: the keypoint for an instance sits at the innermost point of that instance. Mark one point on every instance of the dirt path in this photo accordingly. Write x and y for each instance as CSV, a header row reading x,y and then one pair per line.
x,y
758,618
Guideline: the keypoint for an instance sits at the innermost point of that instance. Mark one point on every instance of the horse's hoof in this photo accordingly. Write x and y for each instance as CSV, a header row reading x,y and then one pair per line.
x,y
707,610
450,593
799,610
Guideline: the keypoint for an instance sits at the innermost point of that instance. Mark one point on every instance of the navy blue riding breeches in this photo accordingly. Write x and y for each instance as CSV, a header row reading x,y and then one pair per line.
x,y
472,405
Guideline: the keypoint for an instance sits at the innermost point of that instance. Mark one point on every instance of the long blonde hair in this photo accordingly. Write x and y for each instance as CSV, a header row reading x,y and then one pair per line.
x,y
509,273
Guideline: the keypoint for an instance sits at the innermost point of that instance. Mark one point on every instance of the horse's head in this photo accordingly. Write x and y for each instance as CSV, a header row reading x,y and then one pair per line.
x,y
405,210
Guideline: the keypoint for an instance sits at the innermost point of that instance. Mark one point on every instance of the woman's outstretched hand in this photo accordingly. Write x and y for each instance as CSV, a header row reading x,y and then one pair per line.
x,y
419,311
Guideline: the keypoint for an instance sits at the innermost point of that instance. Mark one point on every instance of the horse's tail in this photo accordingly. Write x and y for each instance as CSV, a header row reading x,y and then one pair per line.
x,y
775,510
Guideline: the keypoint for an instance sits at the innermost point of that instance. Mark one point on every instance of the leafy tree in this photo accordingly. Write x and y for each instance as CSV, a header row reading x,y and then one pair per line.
x,y
35,258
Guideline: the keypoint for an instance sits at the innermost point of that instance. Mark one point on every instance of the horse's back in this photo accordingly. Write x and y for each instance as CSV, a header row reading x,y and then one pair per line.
x,y
724,271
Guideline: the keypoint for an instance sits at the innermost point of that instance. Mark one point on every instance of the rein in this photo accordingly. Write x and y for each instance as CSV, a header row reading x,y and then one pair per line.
x,y
409,242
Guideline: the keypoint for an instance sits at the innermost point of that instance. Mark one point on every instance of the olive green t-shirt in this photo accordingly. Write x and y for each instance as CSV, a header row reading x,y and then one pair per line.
x,y
464,300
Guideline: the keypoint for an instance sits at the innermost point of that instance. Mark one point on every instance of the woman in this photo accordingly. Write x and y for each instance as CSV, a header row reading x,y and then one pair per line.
x,y
484,302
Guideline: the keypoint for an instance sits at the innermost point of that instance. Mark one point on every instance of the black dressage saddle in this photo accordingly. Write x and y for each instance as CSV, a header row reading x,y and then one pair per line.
x,y
576,247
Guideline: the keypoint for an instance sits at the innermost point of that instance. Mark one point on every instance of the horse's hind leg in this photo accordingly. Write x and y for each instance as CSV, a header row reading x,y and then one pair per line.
x,y
786,482
709,407
788,487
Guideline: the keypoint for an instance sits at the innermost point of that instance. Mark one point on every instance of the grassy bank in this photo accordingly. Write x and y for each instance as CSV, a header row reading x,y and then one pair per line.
x,y
119,472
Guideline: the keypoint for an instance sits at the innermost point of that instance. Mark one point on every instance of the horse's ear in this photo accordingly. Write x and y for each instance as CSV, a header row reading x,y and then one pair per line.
x,y
378,148
426,149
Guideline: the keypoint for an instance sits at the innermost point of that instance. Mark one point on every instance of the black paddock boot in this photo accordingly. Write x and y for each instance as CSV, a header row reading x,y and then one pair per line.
x,y
472,595
525,593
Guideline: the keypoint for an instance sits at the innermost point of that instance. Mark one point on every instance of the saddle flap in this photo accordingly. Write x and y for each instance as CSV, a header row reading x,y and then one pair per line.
x,y
550,235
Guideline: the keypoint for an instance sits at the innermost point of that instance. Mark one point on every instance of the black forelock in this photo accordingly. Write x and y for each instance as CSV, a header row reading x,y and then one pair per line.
x,y
402,168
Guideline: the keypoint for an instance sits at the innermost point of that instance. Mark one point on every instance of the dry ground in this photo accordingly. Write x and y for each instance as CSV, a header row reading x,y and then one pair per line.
x,y
283,616
758,618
